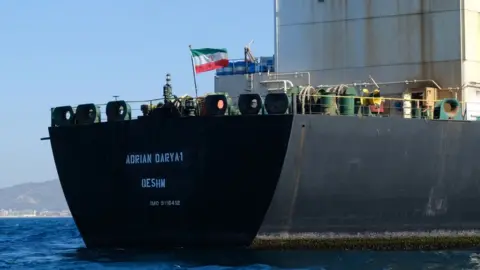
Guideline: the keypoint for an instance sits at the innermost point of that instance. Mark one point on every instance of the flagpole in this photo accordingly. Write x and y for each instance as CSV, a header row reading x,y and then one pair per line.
x,y
194,73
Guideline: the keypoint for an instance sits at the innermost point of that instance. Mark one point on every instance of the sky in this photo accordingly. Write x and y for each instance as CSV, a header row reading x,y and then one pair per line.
x,y
55,53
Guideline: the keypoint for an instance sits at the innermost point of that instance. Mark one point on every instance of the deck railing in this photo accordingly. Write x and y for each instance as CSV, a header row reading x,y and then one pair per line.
x,y
334,105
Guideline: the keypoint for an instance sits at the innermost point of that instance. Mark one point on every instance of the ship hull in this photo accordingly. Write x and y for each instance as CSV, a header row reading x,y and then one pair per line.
x,y
349,175
167,183
246,178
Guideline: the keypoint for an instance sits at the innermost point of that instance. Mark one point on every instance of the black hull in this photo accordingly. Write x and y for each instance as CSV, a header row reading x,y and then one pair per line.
x,y
225,182
246,179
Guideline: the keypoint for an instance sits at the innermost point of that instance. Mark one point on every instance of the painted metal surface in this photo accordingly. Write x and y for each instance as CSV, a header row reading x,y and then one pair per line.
x,y
346,41
321,176
343,41
200,188
165,181
349,175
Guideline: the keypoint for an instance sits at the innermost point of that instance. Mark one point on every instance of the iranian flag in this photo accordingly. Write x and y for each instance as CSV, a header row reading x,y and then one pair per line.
x,y
207,59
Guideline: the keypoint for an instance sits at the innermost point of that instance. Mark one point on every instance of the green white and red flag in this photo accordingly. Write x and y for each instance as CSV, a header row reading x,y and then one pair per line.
x,y
207,59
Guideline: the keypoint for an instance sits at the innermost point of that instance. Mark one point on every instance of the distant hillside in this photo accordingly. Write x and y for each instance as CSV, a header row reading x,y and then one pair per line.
x,y
36,196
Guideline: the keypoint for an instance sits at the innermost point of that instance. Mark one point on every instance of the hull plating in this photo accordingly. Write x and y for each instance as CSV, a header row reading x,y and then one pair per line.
x,y
213,190
338,177
345,177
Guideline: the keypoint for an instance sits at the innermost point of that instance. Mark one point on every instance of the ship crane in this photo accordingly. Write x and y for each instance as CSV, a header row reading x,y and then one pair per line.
x,y
249,58
248,53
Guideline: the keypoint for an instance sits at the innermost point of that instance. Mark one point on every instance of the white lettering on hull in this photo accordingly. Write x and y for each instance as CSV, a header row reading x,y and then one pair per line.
x,y
165,203
139,159
170,157
154,183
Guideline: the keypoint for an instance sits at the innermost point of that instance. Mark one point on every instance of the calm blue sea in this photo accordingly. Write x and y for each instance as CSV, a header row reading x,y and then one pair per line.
x,y
56,244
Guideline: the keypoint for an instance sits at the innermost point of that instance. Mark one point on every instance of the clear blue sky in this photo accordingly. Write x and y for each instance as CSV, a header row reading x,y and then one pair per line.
x,y
55,53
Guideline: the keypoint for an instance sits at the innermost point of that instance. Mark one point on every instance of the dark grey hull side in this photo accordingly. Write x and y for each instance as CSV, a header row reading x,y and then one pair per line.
x,y
348,176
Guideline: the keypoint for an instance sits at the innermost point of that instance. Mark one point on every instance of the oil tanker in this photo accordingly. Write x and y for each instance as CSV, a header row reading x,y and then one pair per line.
x,y
301,167
292,164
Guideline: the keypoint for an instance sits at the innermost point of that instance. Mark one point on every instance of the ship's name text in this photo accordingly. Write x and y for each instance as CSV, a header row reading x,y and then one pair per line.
x,y
154,158
154,183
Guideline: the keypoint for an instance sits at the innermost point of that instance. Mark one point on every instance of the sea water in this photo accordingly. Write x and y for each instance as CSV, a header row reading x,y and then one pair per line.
x,y
55,243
